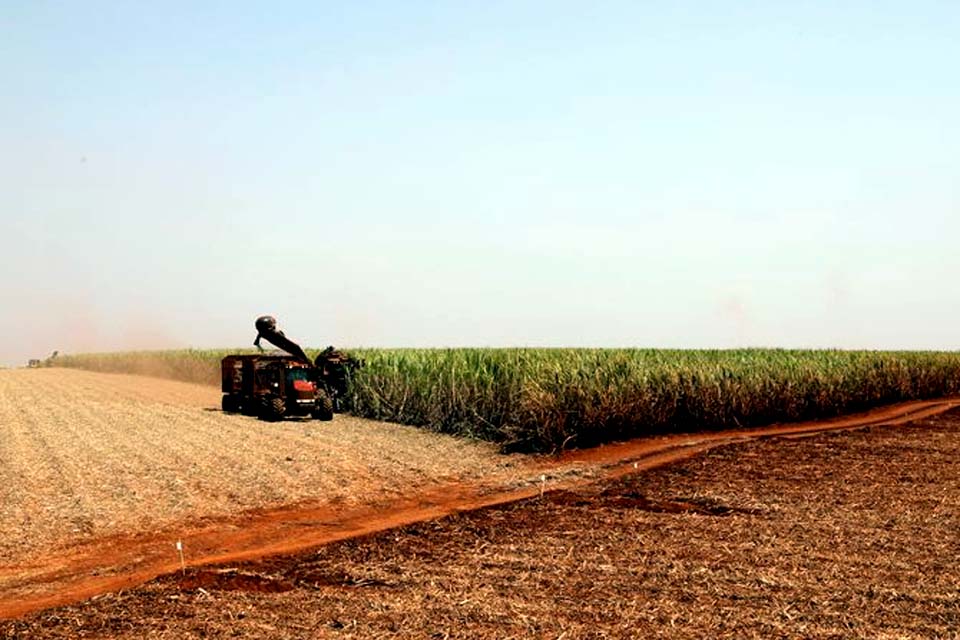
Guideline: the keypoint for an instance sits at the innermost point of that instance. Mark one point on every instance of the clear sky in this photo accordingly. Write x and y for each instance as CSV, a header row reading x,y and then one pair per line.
x,y
663,174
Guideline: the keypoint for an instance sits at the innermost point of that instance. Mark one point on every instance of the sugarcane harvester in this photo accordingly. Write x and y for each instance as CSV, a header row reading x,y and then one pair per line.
x,y
273,386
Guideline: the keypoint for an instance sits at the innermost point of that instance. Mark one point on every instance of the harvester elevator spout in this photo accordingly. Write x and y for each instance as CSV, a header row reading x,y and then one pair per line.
x,y
267,329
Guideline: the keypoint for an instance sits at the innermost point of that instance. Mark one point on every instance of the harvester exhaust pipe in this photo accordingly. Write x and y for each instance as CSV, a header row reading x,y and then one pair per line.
x,y
267,329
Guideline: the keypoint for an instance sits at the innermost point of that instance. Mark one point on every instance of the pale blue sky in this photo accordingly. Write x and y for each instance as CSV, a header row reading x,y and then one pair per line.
x,y
698,174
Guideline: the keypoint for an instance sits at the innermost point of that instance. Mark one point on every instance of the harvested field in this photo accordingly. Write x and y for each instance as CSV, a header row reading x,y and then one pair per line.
x,y
812,538
841,535
87,455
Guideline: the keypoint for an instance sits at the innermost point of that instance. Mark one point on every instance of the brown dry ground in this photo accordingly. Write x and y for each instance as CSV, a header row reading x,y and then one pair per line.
x,y
84,456
853,534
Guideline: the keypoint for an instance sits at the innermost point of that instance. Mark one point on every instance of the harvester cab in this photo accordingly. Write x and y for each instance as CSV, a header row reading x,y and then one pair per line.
x,y
273,386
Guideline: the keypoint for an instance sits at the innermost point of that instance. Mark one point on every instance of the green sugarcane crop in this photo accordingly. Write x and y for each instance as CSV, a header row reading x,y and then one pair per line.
x,y
546,399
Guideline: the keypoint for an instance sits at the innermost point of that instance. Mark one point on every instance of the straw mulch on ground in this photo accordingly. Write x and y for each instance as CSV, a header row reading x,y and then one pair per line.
x,y
834,536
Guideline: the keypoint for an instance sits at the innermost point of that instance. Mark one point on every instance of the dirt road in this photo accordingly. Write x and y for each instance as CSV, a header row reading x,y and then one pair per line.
x,y
103,477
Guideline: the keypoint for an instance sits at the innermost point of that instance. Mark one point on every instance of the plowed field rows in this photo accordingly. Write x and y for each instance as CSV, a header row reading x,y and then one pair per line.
x,y
86,455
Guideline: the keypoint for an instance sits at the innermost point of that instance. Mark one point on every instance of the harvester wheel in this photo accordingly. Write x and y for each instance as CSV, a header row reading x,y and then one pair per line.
x,y
323,409
272,409
230,403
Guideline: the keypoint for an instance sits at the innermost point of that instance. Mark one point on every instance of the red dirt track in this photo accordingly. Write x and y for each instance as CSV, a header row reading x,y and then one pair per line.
x,y
123,561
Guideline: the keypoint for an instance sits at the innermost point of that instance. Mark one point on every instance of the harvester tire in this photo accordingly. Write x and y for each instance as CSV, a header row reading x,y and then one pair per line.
x,y
272,409
230,404
323,410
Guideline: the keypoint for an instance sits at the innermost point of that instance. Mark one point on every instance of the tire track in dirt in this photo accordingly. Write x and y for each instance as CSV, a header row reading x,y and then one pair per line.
x,y
123,561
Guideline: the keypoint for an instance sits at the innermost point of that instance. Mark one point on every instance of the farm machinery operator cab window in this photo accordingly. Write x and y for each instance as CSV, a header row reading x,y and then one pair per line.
x,y
297,374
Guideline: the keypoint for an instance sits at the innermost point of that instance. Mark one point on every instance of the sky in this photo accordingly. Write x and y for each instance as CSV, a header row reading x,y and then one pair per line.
x,y
406,174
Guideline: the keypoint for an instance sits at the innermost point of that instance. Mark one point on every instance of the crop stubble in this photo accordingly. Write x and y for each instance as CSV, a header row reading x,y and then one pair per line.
x,y
86,455
833,536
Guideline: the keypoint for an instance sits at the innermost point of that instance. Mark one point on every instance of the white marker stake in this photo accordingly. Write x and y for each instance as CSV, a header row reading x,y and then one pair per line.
x,y
543,484
183,566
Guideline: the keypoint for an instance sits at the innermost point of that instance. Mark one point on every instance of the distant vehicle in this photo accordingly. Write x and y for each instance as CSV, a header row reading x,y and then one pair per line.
x,y
274,386
34,363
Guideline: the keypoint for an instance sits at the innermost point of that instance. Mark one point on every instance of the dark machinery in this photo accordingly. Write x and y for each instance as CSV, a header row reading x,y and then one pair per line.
x,y
267,330
33,363
274,386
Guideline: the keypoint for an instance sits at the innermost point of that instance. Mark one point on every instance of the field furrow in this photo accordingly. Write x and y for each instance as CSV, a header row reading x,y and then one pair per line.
x,y
86,455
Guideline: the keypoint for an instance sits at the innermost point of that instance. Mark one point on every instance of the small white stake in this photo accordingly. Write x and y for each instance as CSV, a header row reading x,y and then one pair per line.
x,y
183,566
636,465
543,484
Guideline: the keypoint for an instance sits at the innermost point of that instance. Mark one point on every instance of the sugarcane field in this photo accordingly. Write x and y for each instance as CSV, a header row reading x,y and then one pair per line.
x,y
479,320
